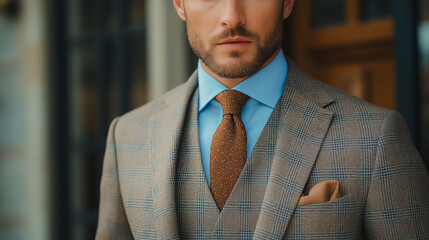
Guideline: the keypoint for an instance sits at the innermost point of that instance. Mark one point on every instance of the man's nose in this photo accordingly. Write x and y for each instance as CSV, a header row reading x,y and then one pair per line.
x,y
233,15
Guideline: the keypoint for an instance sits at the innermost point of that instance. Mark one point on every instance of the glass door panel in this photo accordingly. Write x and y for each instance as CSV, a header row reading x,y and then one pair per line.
x,y
83,94
373,9
138,78
327,13
111,18
81,18
136,12
106,46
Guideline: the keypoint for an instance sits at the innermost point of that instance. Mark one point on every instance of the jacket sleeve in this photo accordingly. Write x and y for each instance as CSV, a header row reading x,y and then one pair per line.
x,y
398,197
112,221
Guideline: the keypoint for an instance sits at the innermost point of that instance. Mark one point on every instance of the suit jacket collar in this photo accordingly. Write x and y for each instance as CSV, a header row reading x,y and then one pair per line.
x,y
302,127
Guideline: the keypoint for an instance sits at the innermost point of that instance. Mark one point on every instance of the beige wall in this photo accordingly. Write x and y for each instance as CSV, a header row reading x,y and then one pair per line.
x,y
168,59
24,187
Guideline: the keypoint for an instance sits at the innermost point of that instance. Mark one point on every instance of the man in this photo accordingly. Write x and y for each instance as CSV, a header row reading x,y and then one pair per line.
x,y
251,147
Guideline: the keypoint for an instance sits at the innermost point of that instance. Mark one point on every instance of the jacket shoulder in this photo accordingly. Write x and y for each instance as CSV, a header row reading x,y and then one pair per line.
x,y
327,96
133,123
351,114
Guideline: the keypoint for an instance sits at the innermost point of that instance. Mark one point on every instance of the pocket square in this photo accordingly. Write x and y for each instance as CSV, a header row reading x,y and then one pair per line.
x,y
322,192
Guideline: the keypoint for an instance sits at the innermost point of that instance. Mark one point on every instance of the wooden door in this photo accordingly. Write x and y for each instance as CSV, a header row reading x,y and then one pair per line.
x,y
348,44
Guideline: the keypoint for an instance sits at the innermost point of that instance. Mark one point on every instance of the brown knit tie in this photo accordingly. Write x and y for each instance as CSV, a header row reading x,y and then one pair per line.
x,y
228,149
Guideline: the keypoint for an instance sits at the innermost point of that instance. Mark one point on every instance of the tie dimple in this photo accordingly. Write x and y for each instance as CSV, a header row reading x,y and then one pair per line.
x,y
228,149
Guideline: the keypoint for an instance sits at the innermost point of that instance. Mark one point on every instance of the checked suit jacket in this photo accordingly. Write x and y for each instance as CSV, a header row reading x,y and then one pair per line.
x,y
315,133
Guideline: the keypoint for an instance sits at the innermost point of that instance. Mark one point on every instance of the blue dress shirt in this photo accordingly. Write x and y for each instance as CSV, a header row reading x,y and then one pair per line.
x,y
264,89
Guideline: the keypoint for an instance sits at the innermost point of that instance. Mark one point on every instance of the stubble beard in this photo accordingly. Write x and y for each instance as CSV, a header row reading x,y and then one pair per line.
x,y
241,69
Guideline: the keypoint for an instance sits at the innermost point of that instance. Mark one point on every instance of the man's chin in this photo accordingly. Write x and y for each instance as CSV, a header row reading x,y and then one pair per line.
x,y
233,70
232,65
235,61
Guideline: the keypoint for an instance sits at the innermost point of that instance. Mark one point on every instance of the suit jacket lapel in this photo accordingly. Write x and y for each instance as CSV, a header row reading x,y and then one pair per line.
x,y
165,131
302,128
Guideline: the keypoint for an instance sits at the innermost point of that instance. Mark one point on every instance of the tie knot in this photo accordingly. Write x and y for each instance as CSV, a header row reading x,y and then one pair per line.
x,y
232,101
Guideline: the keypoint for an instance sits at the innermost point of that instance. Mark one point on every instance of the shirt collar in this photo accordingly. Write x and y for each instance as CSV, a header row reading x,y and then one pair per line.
x,y
255,86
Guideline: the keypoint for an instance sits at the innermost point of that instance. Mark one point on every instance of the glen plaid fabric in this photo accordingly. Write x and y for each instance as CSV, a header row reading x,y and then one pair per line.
x,y
197,211
322,134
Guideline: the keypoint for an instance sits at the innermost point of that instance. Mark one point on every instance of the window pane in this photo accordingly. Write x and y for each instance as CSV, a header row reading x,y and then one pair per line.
x,y
107,69
84,193
372,9
111,16
139,72
81,18
136,12
83,94
328,13
112,90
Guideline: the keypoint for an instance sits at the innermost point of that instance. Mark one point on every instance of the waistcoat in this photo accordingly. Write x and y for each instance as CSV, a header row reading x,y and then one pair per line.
x,y
197,213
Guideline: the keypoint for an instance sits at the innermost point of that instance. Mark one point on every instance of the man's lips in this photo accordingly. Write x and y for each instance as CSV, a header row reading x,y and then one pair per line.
x,y
234,43
234,40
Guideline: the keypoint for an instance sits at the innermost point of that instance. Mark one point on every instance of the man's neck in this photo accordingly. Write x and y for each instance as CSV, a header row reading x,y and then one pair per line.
x,y
232,82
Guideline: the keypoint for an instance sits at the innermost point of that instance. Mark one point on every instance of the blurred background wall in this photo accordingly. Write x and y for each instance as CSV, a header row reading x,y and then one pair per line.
x,y
24,115
67,68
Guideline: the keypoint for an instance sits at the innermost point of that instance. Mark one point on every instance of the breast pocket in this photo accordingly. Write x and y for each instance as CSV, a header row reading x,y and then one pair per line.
x,y
337,219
